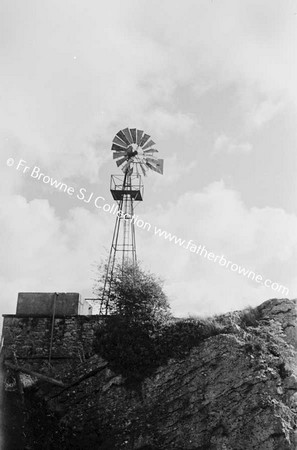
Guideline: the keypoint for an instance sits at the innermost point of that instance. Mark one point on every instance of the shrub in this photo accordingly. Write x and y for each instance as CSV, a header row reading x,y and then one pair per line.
x,y
135,295
250,317
138,308
128,347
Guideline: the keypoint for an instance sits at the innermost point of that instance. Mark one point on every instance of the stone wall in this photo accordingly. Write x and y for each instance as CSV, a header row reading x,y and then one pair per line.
x,y
30,338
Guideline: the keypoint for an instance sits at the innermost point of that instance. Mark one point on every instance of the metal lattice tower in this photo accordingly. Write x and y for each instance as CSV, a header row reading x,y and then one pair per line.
x,y
134,153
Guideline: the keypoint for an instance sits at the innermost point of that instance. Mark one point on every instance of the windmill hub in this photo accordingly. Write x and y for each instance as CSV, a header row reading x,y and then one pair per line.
x,y
131,151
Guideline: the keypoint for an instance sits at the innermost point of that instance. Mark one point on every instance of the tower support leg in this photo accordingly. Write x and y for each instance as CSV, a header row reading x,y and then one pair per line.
x,y
123,240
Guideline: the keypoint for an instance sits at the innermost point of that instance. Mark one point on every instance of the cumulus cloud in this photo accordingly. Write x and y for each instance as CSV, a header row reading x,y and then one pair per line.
x,y
260,239
265,111
73,74
225,144
45,252
176,171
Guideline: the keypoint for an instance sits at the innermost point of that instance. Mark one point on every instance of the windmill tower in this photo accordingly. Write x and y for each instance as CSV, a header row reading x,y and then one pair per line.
x,y
134,152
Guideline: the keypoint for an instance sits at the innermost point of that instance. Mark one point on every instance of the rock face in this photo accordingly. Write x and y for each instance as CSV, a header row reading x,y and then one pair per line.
x,y
236,390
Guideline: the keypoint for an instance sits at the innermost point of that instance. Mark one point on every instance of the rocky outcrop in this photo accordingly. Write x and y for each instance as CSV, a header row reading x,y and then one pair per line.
x,y
236,390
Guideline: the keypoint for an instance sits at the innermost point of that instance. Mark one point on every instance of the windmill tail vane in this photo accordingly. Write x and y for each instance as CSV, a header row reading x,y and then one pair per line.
x,y
134,153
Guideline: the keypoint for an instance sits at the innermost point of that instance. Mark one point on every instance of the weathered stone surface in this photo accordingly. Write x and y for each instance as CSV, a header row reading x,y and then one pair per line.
x,y
235,391
30,338
285,312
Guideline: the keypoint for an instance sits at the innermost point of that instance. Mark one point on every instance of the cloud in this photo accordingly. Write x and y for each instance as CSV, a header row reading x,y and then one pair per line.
x,y
163,122
65,111
47,253
149,65
129,63
176,170
260,239
43,252
265,111
225,144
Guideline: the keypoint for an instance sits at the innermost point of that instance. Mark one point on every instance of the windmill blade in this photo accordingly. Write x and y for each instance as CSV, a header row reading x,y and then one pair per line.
x,y
150,166
121,135
152,150
127,133
139,134
119,154
120,161
144,139
119,141
133,134
151,160
160,166
135,166
149,144
117,148
143,169
145,166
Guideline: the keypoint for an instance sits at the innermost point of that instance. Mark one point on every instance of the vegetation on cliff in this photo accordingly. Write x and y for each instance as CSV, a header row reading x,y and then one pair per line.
x,y
235,389
229,382
140,333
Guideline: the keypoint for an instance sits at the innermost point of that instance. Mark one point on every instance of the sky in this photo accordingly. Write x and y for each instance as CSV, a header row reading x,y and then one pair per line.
x,y
213,82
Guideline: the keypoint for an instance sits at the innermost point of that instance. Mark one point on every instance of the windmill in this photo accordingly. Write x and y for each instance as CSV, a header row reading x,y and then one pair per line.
x,y
135,154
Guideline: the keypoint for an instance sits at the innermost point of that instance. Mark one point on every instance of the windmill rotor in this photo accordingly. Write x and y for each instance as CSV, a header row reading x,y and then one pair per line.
x,y
134,149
